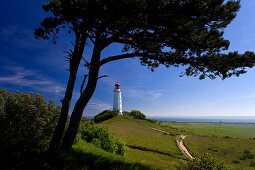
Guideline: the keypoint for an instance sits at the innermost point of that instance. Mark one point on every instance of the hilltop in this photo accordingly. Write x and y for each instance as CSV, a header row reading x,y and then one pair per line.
x,y
144,144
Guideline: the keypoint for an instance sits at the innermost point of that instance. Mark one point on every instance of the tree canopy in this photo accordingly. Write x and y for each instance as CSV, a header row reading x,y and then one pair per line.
x,y
169,32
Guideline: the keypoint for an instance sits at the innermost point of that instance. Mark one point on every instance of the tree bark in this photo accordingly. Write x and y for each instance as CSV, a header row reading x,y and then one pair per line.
x,y
82,101
73,66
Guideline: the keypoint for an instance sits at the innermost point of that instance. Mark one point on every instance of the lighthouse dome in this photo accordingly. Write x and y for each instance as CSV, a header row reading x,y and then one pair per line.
x,y
117,85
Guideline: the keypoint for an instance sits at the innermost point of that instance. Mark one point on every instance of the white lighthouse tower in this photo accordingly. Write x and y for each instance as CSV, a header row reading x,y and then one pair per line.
x,y
117,103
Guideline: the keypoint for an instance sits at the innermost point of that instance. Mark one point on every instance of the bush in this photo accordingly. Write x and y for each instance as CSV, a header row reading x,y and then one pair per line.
x,y
125,113
152,120
236,161
204,162
105,115
247,155
213,150
102,138
252,164
137,114
27,122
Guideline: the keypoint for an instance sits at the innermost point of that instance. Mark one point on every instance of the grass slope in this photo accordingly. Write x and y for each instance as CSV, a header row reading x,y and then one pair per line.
x,y
135,134
95,158
82,156
228,150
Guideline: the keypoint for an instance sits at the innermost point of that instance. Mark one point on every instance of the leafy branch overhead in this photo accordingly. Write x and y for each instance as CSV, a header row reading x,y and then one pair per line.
x,y
165,32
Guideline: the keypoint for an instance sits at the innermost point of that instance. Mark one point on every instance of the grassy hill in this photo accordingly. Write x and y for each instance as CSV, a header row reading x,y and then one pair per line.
x,y
215,139
145,145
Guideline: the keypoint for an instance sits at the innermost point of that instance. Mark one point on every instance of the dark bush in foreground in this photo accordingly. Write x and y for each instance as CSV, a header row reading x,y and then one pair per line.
x,y
204,162
102,138
105,115
27,122
137,114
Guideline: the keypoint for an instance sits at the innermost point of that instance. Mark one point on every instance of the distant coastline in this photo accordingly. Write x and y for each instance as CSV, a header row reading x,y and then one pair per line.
x,y
210,119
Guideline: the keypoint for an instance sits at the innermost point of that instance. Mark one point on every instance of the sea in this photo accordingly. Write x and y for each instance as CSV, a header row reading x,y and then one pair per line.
x,y
228,119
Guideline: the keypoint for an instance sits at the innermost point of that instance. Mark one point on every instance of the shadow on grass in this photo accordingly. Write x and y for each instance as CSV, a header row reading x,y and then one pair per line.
x,y
154,151
75,159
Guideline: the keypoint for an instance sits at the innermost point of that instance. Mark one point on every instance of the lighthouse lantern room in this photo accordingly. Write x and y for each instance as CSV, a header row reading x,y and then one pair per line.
x,y
117,103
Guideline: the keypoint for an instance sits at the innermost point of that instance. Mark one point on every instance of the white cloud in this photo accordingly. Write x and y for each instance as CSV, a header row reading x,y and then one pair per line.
x,y
18,36
98,105
30,78
145,94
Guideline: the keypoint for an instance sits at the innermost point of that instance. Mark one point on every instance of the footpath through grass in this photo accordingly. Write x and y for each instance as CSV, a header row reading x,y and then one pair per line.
x,y
135,134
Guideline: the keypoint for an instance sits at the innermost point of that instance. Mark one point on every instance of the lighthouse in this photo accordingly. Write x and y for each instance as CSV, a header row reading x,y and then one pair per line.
x,y
117,103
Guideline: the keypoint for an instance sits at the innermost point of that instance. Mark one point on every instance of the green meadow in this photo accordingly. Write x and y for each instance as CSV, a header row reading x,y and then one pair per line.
x,y
234,130
227,142
238,153
232,143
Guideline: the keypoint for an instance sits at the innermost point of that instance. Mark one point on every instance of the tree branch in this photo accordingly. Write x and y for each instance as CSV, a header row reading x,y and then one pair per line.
x,y
83,82
122,56
102,76
91,38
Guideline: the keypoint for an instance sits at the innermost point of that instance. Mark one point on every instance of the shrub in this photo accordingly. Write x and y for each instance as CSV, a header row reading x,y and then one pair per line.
x,y
247,155
227,137
121,147
27,122
125,113
152,120
137,114
236,161
101,137
252,164
105,115
203,162
213,150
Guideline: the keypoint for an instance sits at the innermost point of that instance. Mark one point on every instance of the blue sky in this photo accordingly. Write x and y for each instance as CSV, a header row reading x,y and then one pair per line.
x,y
39,66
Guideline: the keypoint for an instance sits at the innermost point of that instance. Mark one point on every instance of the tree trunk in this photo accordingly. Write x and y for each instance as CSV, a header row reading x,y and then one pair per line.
x,y
82,101
73,66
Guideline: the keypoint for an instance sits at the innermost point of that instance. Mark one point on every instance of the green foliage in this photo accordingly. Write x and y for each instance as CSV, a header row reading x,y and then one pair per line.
x,y
152,120
204,162
213,150
103,138
252,163
155,31
126,113
26,122
236,161
137,114
105,115
247,155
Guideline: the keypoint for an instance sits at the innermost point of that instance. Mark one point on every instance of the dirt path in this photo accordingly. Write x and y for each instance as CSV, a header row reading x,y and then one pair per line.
x,y
182,147
179,142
